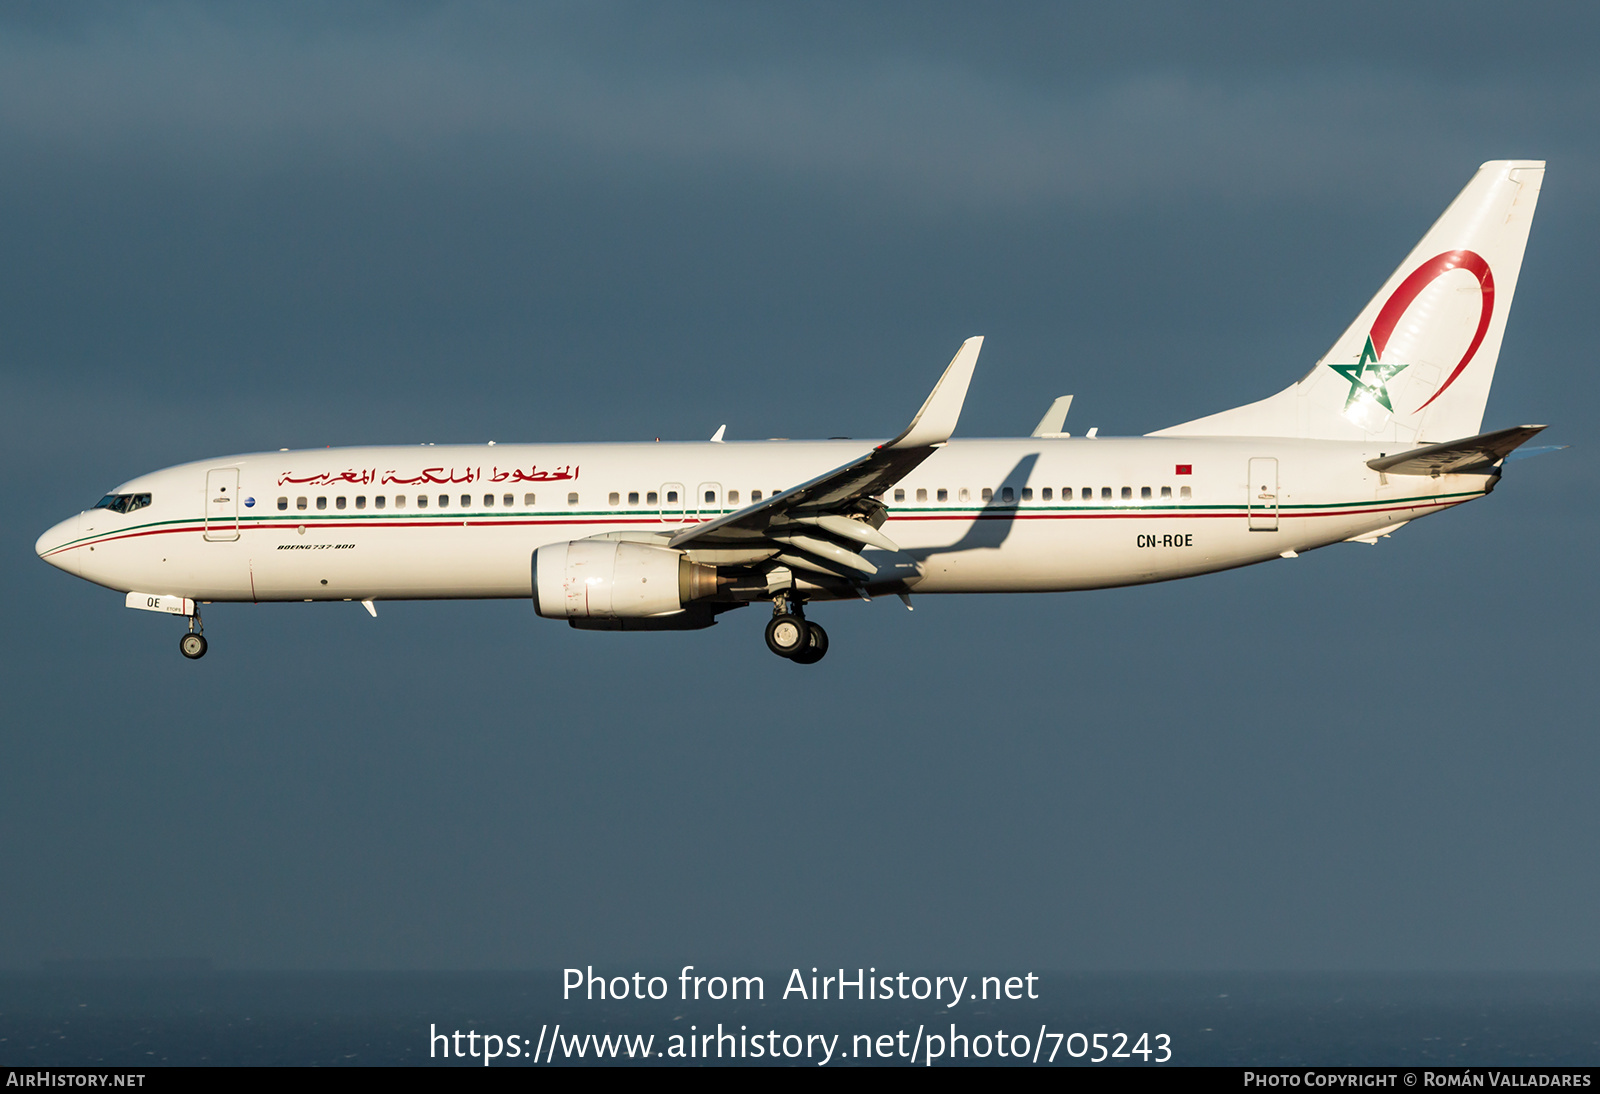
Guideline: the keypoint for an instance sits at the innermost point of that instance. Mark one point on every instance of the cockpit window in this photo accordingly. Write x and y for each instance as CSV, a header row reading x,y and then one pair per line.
x,y
123,503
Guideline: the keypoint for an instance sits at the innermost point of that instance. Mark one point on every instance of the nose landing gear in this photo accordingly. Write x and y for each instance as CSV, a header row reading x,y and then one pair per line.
x,y
791,635
193,644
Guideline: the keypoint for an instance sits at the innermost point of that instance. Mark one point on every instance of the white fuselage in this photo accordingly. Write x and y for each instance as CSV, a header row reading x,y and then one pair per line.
x,y
463,521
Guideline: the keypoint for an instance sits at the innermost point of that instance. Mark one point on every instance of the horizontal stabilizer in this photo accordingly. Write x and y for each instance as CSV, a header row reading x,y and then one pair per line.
x,y
1457,457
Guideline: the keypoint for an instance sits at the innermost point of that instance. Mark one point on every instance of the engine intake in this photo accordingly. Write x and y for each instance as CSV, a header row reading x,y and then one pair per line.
x,y
615,579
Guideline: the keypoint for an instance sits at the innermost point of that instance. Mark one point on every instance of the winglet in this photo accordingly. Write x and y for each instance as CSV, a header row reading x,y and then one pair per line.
x,y
937,419
1054,418
716,438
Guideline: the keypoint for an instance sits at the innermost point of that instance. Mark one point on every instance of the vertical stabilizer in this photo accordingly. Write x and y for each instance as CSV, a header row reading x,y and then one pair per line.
x,y
1417,363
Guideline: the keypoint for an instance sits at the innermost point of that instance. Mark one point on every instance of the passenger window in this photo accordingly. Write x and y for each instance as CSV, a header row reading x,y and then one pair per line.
x,y
444,501
633,497
733,497
283,503
755,496
672,497
422,501
1027,493
379,502
572,499
899,495
299,503
652,498
466,501
338,502
614,498
943,495
922,494
1183,492
1105,493
1088,493
488,501
1046,494
1144,493
987,494
361,501
322,503
399,501
1127,493
530,500
965,495
511,499
1166,491
1006,494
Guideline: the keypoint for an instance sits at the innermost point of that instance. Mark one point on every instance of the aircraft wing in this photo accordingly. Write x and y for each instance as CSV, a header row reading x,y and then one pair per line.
x,y
832,516
1455,457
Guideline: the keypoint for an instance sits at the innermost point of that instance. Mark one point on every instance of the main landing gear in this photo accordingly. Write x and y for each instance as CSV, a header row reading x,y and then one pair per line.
x,y
791,635
193,644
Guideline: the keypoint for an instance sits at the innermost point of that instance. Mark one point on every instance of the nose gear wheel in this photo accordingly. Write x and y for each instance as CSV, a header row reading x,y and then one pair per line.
x,y
193,644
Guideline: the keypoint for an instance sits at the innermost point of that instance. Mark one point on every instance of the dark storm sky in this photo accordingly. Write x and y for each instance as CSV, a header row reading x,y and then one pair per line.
x,y
226,230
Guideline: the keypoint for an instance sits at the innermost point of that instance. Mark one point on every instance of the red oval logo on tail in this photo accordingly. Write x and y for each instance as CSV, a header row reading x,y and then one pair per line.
x,y
1420,278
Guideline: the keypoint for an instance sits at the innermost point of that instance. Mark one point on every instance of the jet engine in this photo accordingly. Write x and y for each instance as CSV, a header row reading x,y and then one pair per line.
x,y
614,579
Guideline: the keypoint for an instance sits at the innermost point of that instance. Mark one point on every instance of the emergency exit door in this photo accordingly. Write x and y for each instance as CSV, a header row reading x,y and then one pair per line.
x,y
222,503
672,503
708,497
1263,495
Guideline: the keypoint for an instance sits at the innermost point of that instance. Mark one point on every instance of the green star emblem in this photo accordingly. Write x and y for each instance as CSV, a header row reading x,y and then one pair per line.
x,y
1368,376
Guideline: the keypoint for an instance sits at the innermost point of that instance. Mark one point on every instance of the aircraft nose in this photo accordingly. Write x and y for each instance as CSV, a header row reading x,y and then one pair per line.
x,y
49,545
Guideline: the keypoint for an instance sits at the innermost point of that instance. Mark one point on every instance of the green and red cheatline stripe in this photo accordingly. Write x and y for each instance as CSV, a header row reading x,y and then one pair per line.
x,y
967,513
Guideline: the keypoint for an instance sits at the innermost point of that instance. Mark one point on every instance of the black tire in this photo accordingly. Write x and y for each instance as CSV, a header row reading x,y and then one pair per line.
x,y
816,646
787,635
192,646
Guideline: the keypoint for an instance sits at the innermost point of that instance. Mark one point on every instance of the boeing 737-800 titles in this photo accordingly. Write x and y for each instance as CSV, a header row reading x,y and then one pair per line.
x,y
1383,430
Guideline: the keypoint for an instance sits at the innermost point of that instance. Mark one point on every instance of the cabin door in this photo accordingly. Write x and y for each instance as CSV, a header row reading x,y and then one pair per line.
x,y
1263,495
708,498
222,504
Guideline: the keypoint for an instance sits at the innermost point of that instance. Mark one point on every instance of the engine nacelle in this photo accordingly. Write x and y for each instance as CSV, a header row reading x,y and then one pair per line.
x,y
615,579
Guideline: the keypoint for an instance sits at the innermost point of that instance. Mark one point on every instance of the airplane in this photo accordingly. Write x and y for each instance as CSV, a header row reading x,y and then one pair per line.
x,y
1384,429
